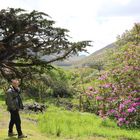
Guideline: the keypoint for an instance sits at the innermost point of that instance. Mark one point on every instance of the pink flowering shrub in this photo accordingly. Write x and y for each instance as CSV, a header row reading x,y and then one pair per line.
x,y
118,89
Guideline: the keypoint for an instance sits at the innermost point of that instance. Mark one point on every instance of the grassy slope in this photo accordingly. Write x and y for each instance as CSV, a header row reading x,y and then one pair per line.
x,y
75,124
100,55
70,125
30,128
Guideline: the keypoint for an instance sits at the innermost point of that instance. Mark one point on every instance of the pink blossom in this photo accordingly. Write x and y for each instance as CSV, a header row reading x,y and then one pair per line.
x,y
103,77
130,110
95,92
120,124
127,122
121,119
130,97
127,101
136,68
137,99
111,111
99,98
114,89
109,99
124,113
90,88
135,104
121,106
107,85
128,68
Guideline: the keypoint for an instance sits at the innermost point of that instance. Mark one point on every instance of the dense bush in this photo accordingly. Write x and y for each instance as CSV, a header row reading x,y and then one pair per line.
x,y
53,83
118,92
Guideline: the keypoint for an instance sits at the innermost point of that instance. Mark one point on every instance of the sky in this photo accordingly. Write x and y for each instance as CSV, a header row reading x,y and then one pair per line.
x,y
100,21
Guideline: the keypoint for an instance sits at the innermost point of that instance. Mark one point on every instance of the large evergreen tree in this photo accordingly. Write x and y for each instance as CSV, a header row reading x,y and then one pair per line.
x,y
27,36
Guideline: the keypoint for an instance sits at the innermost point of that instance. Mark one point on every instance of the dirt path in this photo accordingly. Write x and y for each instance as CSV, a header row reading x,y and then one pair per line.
x,y
29,128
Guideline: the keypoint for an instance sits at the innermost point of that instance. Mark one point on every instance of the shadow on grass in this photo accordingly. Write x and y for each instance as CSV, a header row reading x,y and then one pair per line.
x,y
11,138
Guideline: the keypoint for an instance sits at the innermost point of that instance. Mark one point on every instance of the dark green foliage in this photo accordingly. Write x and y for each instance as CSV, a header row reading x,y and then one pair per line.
x,y
26,37
48,83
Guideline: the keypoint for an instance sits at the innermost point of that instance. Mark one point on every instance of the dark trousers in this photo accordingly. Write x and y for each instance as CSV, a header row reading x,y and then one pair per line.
x,y
15,119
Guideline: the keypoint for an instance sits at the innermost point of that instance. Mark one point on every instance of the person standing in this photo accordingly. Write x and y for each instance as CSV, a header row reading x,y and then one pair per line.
x,y
14,104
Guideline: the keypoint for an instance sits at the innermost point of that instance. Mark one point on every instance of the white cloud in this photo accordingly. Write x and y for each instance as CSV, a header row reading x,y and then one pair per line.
x,y
123,2
82,17
107,31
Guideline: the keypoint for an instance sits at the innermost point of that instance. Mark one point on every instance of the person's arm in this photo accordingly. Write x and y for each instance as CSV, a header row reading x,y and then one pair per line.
x,y
9,100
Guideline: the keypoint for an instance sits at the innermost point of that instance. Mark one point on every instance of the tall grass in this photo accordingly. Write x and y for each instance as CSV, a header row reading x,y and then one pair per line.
x,y
75,124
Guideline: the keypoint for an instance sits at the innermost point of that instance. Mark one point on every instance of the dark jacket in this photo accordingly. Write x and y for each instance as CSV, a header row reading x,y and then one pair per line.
x,y
13,99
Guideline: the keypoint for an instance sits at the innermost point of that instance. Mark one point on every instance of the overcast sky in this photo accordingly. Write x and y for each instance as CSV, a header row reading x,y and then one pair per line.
x,y
97,20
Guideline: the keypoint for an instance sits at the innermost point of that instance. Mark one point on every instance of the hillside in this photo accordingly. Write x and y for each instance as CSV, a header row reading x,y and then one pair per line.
x,y
99,55
82,60
67,62
103,50
71,60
